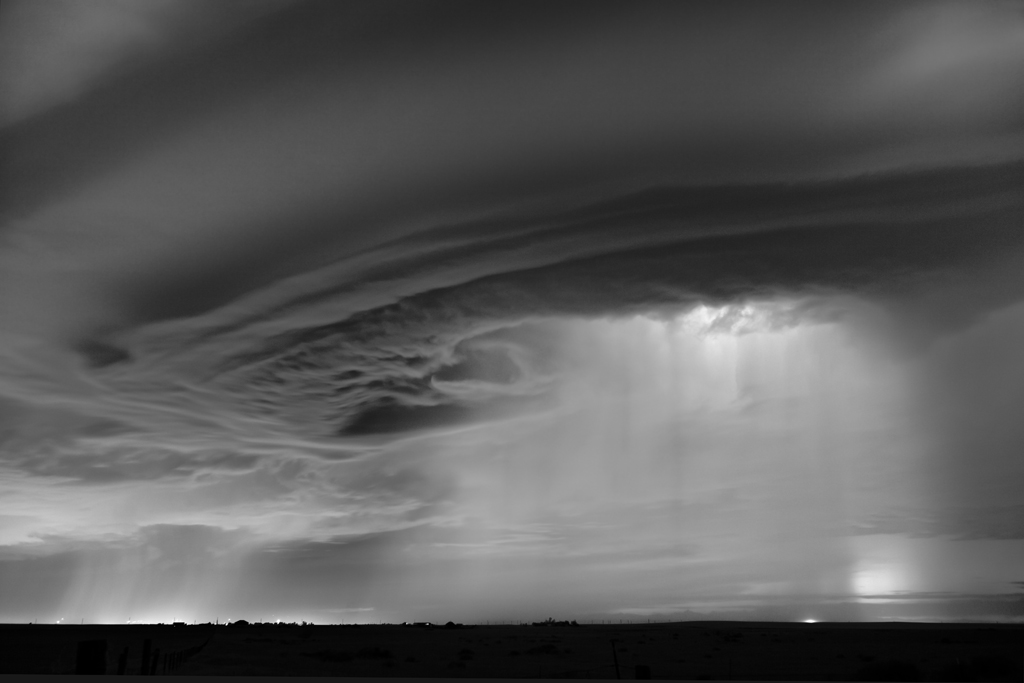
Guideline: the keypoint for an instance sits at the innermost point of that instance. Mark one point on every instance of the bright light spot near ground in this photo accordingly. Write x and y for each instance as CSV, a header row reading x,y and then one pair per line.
x,y
810,621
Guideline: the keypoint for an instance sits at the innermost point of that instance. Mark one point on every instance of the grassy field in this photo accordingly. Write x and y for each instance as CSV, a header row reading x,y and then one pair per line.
x,y
682,651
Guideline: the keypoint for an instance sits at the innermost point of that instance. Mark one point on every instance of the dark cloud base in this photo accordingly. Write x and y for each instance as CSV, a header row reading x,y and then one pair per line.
x,y
861,214
882,240
454,326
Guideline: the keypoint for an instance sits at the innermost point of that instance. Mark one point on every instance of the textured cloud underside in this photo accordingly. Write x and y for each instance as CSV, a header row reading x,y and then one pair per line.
x,y
357,347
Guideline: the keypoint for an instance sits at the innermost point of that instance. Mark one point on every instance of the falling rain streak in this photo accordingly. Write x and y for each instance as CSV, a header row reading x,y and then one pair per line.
x,y
733,439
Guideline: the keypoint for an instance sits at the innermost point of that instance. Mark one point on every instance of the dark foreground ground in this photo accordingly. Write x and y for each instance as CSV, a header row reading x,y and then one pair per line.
x,y
681,651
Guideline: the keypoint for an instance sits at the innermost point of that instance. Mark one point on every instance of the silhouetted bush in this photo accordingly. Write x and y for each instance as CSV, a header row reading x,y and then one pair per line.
x,y
551,622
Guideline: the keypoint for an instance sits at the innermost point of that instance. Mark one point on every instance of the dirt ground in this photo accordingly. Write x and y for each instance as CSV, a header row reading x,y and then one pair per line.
x,y
680,651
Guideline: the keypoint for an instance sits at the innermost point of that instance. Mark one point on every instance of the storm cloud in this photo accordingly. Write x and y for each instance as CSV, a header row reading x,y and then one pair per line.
x,y
517,293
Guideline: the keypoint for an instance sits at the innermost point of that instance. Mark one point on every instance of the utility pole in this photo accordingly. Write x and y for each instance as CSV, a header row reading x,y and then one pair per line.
x,y
615,656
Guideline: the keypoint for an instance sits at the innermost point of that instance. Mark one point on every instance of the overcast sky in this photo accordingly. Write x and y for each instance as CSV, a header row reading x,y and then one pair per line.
x,y
511,310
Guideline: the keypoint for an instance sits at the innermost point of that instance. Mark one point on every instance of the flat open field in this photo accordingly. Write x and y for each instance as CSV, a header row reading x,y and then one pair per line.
x,y
682,651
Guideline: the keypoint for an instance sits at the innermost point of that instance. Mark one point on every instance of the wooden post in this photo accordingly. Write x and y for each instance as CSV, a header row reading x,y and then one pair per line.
x,y
615,656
